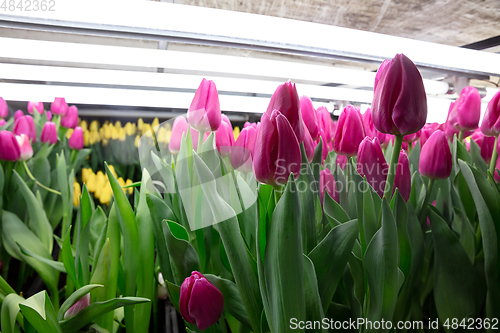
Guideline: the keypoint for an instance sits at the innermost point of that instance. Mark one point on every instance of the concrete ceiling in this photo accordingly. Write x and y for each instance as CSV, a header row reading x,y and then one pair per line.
x,y
451,22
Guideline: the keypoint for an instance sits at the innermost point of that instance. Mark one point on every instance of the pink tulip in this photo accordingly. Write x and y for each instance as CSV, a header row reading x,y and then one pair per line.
x,y
341,161
497,167
2,122
466,110
9,147
450,129
76,139
309,117
59,106
70,120
4,108
403,176
224,138
308,145
200,301
327,184
326,123
49,115
81,304
286,100
399,103
435,158
485,143
411,137
372,164
32,106
277,150
491,120
380,70
18,114
25,147
180,126
204,112
350,132
243,149
372,132
49,133
25,125
426,132
325,148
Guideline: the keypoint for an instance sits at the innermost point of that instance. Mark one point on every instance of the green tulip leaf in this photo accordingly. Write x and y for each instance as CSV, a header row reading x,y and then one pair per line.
x,y
57,265
334,212
401,215
38,310
308,191
74,297
314,309
10,312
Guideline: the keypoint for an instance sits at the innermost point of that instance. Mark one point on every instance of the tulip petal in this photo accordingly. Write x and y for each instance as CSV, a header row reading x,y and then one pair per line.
x,y
266,150
288,158
206,303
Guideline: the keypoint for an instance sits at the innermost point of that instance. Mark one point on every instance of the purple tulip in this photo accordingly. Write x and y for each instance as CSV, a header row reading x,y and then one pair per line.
x,y
70,120
204,112
18,114
286,100
399,103
372,132
350,132
308,145
403,176
81,304
9,147
277,150
449,128
32,106
327,183
49,133
466,110
435,158
491,120
243,149
326,123
25,147
59,106
200,301
372,164
426,132
309,117
380,70
25,125
224,138
4,108
76,139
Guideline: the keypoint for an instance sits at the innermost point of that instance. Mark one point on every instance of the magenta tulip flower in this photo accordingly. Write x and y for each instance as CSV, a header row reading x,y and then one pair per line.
x,y
309,145
465,112
309,117
380,70
277,150
372,132
18,114
25,147
4,108
485,143
49,133
76,139
325,147
350,132
497,176
180,126
2,122
9,147
327,184
326,123
81,304
372,164
32,106
286,100
200,301
243,149
204,112
49,115
403,176
70,120
426,132
25,125
491,120
399,103
59,106
435,157
341,161
224,138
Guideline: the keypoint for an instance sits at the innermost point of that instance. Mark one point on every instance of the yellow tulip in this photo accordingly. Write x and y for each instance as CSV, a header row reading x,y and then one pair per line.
x,y
115,133
162,135
129,128
146,129
155,122
112,169
236,132
130,189
168,126
106,195
118,124
85,174
84,125
100,178
106,131
122,135
94,137
91,182
122,183
86,137
77,191
69,132
140,122
136,141
94,125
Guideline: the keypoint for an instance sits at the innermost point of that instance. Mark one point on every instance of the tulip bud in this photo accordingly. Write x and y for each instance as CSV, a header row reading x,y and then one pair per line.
x,y
77,192
277,150
309,145
326,123
410,138
25,147
59,106
327,182
76,140
243,149
49,133
399,103
309,117
372,132
70,120
466,110
2,122
491,120
380,70
403,176
18,114
485,143
341,161
204,112
224,138
372,164
81,304
180,126
435,157
32,106
286,100
200,301
350,132
4,108
25,125
162,288
426,132
49,115
9,147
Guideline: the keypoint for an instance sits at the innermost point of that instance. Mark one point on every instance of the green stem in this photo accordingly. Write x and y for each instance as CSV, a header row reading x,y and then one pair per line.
x,y
37,182
392,167
200,141
494,157
426,200
461,136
